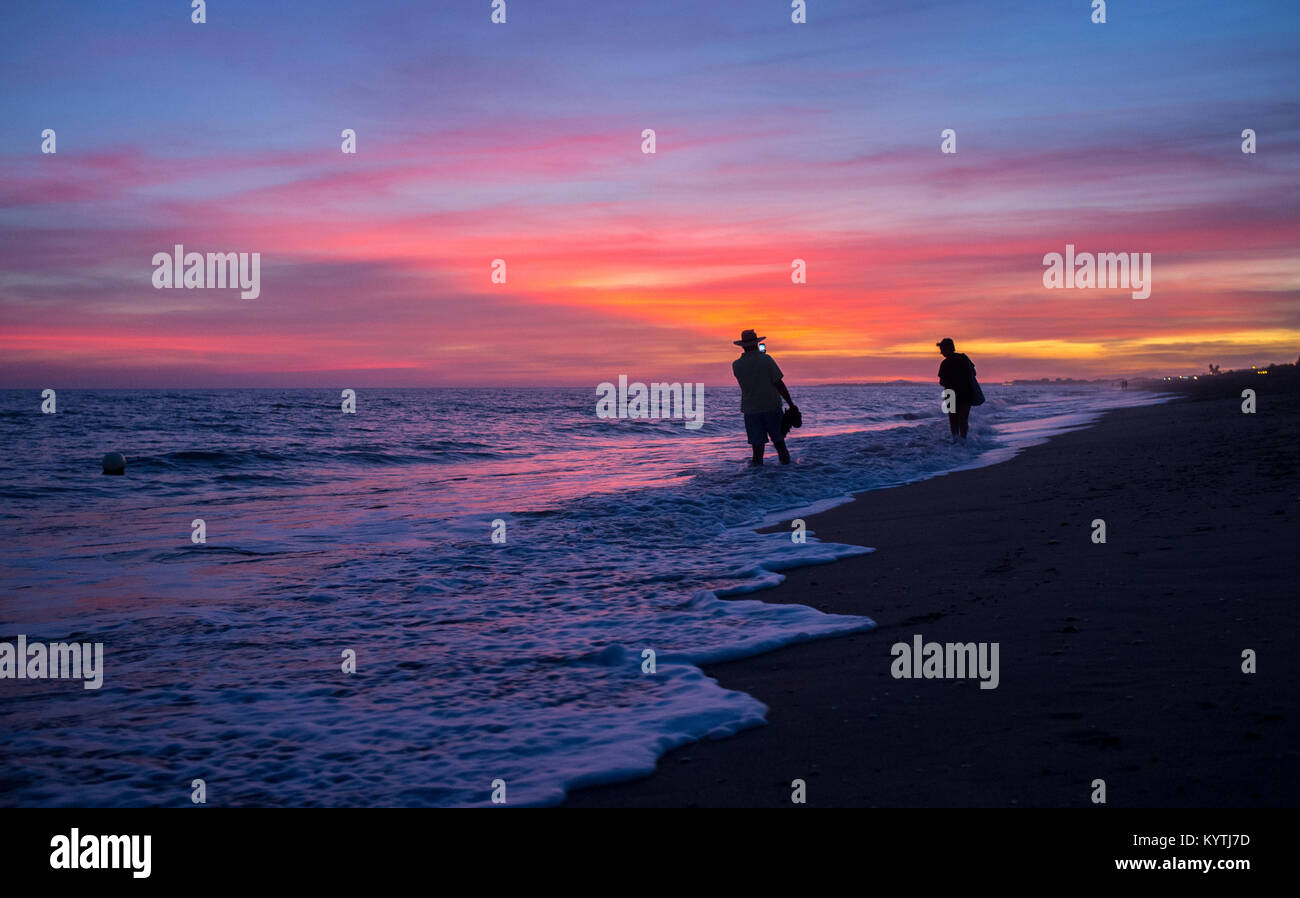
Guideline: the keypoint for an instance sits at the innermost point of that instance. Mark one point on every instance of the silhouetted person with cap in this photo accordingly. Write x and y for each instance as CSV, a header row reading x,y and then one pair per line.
x,y
761,390
956,373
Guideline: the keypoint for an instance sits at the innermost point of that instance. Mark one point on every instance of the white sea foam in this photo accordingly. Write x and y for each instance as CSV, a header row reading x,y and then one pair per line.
x,y
476,661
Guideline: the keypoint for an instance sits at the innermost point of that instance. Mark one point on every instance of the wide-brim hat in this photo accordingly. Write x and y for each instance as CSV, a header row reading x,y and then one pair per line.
x,y
749,338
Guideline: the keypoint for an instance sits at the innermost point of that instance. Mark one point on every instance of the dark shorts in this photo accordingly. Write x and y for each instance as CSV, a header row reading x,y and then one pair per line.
x,y
759,426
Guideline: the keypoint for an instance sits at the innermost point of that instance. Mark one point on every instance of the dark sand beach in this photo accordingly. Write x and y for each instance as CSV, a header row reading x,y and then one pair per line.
x,y
1119,661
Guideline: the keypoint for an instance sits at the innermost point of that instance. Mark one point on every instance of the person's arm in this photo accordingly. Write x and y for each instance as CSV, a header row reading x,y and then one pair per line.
x,y
785,394
778,381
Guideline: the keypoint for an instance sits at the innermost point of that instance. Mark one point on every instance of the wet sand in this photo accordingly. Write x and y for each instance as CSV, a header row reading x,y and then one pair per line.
x,y
1120,661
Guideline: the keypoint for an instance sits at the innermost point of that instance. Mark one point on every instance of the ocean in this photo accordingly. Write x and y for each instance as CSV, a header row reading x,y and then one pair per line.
x,y
520,661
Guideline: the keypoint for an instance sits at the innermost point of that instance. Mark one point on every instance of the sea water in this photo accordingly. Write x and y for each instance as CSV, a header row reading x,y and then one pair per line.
x,y
523,660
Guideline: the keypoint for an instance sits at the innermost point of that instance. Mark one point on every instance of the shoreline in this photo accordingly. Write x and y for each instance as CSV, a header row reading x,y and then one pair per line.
x,y
1119,661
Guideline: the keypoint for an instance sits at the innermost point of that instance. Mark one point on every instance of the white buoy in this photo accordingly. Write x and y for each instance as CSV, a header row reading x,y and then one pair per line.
x,y
114,463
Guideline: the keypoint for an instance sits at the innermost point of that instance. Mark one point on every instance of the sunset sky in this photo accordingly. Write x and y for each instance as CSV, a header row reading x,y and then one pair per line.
x,y
523,142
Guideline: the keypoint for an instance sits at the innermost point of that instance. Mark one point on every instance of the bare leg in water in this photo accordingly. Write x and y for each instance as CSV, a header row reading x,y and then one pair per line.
x,y
959,421
781,451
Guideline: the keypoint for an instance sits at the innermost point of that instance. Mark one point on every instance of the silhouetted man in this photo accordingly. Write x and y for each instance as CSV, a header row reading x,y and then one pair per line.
x,y
761,390
956,373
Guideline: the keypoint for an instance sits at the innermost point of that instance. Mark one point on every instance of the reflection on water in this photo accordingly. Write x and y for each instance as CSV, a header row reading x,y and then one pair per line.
x,y
371,532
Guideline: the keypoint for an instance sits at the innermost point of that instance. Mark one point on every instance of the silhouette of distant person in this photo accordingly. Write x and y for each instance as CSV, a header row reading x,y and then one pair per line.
x,y
762,388
1123,385
957,373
